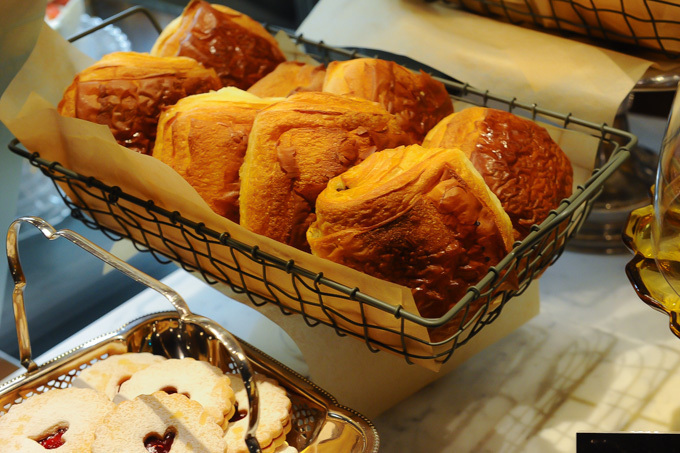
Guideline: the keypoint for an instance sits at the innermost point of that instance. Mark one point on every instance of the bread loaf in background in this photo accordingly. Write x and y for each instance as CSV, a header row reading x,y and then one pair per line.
x,y
416,99
420,217
239,48
517,158
126,91
295,147
290,77
204,138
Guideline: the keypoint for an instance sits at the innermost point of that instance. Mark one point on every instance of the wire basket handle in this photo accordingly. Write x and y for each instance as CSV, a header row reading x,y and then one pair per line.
x,y
221,334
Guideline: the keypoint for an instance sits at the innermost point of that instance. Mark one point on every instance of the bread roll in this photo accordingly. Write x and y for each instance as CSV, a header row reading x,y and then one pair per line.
x,y
422,218
204,138
418,100
239,48
290,77
518,159
127,91
295,147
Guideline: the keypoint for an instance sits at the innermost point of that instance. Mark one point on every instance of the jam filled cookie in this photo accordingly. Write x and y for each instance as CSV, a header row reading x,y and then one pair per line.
x,y
107,375
285,448
274,420
61,418
198,380
159,423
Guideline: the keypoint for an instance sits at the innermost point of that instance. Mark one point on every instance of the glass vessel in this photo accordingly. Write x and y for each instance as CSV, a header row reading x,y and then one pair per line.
x,y
653,232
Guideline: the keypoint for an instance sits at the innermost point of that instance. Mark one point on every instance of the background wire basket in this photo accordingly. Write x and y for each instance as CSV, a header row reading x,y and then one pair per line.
x,y
223,261
652,24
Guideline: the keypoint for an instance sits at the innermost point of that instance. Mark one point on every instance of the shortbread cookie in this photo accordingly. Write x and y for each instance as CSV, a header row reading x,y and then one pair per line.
x,y
159,422
107,375
200,381
60,418
274,420
285,448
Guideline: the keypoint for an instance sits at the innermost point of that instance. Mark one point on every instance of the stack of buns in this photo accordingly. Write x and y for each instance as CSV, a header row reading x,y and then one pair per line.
x,y
296,146
362,162
143,402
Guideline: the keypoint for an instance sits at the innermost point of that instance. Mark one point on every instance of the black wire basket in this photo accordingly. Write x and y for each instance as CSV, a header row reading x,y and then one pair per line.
x,y
649,24
248,271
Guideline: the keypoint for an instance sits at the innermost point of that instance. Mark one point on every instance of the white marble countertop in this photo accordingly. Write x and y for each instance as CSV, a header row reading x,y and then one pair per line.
x,y
596,359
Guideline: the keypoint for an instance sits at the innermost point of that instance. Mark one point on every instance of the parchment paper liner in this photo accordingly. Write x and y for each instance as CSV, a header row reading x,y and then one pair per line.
x,y
28,110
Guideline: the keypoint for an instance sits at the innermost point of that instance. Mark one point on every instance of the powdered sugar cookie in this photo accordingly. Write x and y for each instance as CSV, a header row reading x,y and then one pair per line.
x,y
160,423
60,418
107,375
285,448
274,420
200,381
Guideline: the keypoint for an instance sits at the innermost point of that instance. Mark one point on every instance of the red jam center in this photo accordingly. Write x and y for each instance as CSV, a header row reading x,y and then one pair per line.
x,y
54,440
154,444
238,415
172,390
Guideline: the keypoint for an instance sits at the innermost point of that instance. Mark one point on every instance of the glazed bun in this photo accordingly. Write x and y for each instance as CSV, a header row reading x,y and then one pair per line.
x,y
204,138
126,91
239,48
418,100
290,77
422,218
517,158
295,147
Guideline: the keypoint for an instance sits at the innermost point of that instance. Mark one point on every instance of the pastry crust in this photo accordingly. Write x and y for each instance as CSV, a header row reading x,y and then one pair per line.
x,y
422,218
296,146
204,138
239,48
126,91
290,77
518,159
418,100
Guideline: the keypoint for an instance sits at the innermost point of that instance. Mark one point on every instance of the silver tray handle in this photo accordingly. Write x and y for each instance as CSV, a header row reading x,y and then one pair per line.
x,y
186,316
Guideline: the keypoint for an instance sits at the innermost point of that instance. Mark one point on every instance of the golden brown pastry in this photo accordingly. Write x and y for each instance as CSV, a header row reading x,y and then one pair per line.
x,y
127,91
418,100
204,138
295,147
518,159
290,77
422,218
239,48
